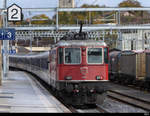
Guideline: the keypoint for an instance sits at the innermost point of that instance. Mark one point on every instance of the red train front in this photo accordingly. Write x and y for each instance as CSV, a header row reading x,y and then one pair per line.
x,y
79,70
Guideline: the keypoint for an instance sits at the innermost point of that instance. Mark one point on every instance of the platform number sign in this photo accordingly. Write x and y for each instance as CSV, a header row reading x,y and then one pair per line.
x,y
7,34
14,13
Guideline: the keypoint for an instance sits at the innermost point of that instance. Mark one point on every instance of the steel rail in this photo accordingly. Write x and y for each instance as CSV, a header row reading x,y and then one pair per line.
x,y
129,100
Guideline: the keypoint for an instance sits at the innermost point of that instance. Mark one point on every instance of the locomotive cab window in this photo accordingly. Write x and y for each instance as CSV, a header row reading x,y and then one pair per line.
x,y
60,55
94,55
106,55
72,55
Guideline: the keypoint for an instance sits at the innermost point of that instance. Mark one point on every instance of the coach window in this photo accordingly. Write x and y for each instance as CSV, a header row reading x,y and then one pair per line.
x,y
60,55
106,55
72,55
94,55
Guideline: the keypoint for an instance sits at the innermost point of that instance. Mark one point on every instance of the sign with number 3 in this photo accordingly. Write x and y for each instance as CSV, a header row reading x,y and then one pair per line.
x,y
14,13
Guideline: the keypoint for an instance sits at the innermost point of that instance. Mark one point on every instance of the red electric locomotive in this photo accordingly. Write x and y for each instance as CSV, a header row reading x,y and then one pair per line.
x,y
79,70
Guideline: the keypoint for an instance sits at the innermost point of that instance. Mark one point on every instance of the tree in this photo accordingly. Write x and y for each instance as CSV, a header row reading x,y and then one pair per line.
x,y
86,17
134,16
41,19
130,3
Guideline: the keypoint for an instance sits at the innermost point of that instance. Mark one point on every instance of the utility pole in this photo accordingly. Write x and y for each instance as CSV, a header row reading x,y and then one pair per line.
x,y
119,32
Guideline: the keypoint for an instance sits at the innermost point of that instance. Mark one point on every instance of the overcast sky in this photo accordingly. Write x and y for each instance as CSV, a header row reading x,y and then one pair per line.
x,y
53,3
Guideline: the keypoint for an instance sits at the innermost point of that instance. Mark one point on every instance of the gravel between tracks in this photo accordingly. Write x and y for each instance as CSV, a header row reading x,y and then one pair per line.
x,y
114,106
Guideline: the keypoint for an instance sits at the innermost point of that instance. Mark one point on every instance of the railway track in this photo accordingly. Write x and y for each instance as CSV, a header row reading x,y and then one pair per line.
x,y
136,87
97,109
90,110
137,102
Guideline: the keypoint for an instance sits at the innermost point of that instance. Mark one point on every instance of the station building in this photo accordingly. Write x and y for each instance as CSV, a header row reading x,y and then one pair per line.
x,y
134,40
66,3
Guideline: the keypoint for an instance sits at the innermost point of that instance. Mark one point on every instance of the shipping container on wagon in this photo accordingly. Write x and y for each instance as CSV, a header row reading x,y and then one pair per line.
x,y
128,63
133,64
140,65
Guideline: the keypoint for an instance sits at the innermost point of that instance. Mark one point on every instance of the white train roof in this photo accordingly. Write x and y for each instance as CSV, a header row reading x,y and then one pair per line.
x,y
31,55
81,43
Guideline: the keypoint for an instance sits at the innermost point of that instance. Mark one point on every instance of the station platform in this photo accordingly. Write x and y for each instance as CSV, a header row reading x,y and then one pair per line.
x,y
20,93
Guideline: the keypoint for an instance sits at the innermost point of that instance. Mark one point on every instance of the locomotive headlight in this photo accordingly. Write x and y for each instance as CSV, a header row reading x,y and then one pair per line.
x,y
98,77
68,78
83,49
